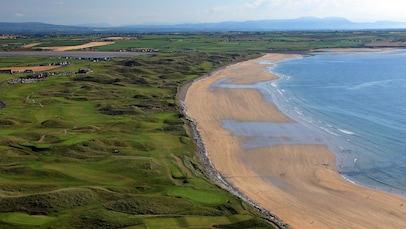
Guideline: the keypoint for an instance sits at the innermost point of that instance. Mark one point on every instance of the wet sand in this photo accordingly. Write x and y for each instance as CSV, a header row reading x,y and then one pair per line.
x,y
297,183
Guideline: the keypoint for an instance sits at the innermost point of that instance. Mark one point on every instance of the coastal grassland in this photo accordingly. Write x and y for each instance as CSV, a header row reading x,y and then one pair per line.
x,y
255,41
19,42
16,61
216,42
110,149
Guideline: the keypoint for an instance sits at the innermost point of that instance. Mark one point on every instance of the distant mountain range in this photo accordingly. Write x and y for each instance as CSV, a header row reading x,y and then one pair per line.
x,y
40,28
299,24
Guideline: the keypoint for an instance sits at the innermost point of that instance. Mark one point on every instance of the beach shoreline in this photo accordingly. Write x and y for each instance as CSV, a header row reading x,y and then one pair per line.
x,y
298,183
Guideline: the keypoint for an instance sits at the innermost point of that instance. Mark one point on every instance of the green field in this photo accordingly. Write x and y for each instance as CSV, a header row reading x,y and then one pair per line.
x,y
208,197
216,42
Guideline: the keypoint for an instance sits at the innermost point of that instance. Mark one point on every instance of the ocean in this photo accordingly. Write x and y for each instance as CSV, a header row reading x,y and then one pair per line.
x,y
356,103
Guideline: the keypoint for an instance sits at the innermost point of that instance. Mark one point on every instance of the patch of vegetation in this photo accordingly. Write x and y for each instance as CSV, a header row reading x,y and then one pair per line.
x,y
147,205
251,223
45,203
201,196
106,219
23,219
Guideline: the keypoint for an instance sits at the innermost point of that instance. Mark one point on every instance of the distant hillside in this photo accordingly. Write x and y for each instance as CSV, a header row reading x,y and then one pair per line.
x,y
299,24
40,28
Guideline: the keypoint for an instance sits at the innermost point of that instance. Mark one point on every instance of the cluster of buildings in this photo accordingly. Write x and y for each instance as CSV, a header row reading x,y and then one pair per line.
x,y
6,71
63,63
23,80
38,76
33,78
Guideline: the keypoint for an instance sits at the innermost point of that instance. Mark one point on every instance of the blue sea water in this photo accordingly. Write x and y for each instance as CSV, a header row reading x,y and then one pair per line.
x,y
357,102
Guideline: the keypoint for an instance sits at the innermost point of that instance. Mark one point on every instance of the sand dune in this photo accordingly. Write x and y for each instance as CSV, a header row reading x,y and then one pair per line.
x,y
297,183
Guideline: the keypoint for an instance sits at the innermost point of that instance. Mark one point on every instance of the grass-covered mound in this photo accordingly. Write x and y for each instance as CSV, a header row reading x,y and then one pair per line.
x,y
110,149
49,202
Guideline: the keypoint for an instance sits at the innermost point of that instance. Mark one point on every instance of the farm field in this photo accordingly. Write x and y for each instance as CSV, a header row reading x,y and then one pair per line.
x,y
111,148
209,42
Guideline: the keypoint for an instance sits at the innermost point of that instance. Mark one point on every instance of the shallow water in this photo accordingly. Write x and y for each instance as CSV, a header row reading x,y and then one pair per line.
x,y
265,134
358,101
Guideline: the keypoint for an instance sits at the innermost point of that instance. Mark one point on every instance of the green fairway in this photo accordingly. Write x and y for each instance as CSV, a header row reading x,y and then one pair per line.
x,y
25,219
237,221
91,176
201,196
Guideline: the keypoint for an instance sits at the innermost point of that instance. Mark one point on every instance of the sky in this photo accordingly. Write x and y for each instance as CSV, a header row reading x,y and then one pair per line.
x,y
129,12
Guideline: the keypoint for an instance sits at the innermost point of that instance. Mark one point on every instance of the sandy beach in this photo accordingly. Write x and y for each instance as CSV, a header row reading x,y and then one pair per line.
x,y
297,183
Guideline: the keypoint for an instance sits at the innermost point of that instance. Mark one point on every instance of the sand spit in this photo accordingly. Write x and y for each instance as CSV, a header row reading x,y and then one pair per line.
x,y
297,183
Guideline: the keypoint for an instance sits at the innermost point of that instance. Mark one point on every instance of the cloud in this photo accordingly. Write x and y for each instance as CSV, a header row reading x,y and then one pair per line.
x,y
19,15
255,4
283,9
57,2
220,9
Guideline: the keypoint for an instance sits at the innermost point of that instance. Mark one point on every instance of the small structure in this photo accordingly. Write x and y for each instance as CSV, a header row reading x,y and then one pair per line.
x,y
6,71
2,104
84,71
